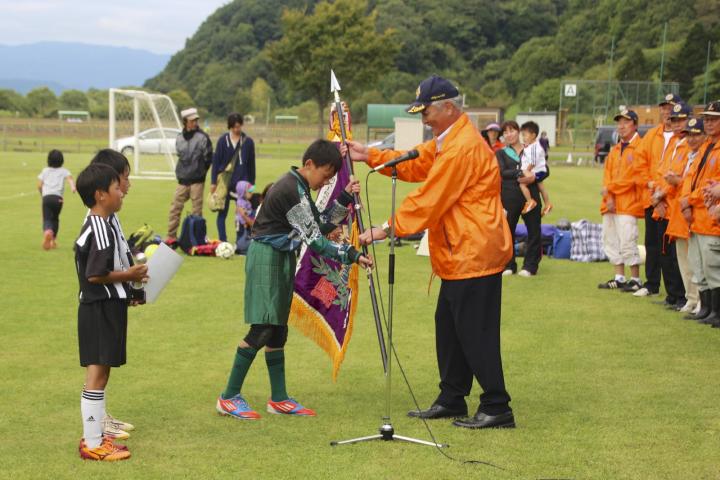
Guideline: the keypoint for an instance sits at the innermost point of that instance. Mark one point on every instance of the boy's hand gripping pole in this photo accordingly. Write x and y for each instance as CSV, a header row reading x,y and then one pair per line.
x,y
335,89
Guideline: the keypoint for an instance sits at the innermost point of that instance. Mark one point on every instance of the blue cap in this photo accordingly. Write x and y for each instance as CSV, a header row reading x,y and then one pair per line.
x,y
670,99
431,90
712,108
629,114
681,110
694,125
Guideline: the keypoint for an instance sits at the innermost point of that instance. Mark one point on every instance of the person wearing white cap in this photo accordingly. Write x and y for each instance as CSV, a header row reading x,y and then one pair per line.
x,y
195,151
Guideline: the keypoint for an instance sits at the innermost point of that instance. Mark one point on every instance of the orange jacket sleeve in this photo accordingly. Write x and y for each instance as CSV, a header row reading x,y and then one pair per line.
x,y
411,171
426,205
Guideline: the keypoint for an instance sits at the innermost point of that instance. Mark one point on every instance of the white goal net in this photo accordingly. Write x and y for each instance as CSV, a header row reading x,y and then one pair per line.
x,y
143,126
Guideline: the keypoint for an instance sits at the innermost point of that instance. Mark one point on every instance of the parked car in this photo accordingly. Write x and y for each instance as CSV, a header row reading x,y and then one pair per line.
x,y
607,136
149,141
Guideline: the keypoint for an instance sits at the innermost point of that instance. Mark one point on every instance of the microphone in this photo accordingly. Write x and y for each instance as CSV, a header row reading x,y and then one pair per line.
x,y
411,154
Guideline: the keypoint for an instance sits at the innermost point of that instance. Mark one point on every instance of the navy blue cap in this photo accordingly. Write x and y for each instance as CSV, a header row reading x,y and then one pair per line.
x,y
694,125
625,113
712,108
431,90
670,99
681,110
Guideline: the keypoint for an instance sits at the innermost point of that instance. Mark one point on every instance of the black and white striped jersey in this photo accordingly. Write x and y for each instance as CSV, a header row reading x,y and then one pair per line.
x,y
98,251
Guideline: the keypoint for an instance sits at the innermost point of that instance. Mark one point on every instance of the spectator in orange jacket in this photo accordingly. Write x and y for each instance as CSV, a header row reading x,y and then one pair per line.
x,y
669,268
678,229
705,233
459,204
650,152
621,205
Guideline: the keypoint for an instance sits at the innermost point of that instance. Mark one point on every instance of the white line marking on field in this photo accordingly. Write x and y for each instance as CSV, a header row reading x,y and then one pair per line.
x,y
17,195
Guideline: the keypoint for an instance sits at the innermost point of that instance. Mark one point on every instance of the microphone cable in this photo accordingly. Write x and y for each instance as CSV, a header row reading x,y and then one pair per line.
x,y
394,350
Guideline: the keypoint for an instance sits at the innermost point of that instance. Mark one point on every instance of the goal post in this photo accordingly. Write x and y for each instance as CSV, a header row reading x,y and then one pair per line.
x,y
143,126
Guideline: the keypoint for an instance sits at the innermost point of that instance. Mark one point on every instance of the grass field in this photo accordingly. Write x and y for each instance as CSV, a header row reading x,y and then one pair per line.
x,y
604,385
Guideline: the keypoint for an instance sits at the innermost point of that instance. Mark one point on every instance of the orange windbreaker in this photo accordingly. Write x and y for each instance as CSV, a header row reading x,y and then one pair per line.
x,y
702,223
677,226
664,165
621,180
649,153
459,203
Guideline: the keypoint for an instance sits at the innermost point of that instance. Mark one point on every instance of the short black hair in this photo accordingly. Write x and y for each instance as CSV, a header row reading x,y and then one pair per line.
x,y
323,152
510,124
96,176
531,127
113,159
55,159
234,118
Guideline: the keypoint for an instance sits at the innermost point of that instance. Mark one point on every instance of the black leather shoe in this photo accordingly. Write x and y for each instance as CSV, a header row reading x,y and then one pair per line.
x,y
437,411
481,420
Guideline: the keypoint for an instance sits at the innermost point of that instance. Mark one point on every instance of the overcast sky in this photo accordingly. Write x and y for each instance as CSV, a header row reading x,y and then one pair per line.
x,y
160,26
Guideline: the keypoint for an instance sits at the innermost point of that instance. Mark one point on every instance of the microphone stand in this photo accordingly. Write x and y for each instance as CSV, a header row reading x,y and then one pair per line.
x,y
387,432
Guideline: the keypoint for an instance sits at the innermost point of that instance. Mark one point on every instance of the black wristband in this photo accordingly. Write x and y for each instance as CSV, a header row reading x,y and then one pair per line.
x,y
345,198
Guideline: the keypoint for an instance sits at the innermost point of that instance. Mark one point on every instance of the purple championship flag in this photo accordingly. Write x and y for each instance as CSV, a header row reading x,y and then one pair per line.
x,y
325,297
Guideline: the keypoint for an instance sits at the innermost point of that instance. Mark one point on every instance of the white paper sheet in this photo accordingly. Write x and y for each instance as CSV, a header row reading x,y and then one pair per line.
x,y
162,266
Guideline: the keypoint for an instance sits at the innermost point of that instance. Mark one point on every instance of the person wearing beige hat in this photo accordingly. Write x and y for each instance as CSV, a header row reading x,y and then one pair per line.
x,y
195,151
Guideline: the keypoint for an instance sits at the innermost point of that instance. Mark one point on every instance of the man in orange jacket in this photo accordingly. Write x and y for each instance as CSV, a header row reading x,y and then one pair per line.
x,y
650,152
470,244
704,232
667,260
621,205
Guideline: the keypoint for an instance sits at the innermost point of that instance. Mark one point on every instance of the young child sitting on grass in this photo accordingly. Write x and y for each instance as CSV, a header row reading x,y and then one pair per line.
x,y
287,219
244,216
51,185
104,297
533,161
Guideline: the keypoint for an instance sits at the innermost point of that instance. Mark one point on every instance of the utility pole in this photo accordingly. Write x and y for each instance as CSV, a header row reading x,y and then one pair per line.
x,y
662,62
707,68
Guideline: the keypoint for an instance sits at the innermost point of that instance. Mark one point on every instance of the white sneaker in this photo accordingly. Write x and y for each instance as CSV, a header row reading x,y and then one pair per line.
x,y
525,273
687,308
643,292
507,273
118,424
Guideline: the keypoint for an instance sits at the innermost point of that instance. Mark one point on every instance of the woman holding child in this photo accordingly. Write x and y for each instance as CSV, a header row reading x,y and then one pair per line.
x,y
513,200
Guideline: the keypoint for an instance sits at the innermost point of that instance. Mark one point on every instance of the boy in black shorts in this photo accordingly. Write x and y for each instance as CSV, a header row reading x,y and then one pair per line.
x,y
102,314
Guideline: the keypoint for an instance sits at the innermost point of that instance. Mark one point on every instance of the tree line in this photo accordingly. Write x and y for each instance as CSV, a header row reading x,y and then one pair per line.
x,y
260,56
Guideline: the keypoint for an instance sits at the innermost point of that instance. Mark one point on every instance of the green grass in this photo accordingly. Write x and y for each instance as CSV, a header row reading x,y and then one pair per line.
x,y
604,385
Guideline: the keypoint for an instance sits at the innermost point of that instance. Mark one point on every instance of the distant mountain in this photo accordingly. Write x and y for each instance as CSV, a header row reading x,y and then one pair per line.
x,y
61,66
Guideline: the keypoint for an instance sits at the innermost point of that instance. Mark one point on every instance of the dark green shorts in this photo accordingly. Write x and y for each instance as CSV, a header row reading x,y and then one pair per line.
x,y
269,283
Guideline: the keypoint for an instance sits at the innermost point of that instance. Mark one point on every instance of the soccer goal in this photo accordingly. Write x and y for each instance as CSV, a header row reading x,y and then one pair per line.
x,y
143,126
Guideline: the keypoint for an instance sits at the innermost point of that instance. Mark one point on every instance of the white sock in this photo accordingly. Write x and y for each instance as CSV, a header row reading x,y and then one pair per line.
x,y
637,279
92,407
620,278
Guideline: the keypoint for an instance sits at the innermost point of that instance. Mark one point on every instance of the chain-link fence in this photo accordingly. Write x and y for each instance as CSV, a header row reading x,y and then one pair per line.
x,y
587,104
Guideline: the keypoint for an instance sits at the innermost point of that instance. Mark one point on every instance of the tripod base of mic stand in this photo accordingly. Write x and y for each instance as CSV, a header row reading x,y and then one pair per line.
x,y
387,433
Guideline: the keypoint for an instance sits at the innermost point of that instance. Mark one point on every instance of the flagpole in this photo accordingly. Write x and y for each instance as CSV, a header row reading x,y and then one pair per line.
x,y
387,431
335,89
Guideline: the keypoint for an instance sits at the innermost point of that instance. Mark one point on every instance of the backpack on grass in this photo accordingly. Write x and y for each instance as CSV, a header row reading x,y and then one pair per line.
x,y
193,233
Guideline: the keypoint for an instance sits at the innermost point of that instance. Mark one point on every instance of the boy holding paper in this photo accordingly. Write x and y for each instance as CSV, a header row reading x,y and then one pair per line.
x,y
104,295
287,219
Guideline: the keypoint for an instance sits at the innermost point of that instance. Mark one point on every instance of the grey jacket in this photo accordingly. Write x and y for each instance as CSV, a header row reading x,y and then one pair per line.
x,y
194,156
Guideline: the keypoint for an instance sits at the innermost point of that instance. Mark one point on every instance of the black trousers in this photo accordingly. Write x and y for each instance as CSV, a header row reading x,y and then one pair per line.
x,y
653,243
513,204
467,337
51,207
668,266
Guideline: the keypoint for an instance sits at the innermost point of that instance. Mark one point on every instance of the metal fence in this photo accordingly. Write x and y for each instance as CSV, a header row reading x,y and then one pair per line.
x,y
587,104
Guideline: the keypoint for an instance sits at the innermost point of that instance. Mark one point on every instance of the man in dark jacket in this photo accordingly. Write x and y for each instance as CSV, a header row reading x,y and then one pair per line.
x,y
194,158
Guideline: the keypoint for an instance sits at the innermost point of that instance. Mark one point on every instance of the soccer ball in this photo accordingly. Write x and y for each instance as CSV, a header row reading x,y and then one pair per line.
x,y
225,250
